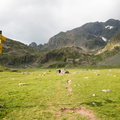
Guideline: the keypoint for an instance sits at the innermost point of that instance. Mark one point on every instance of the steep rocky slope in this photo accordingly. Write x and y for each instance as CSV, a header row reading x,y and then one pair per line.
x,y
111,53
90,37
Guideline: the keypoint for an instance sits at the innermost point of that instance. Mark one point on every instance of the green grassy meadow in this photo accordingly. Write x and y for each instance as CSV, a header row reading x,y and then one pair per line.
x,y
41,94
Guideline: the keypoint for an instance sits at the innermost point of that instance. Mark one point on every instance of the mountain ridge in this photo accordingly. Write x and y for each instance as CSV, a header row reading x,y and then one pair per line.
x,y
95,43
91,36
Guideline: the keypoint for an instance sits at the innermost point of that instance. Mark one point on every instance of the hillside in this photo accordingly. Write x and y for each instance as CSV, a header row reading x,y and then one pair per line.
x,y
17,54
90,37
17,48
111,53
66,57
115,41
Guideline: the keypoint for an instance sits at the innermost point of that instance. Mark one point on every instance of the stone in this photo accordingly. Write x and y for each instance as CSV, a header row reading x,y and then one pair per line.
x,y
2,106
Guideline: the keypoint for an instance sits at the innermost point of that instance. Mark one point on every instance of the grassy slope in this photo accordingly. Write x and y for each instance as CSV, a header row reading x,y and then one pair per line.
x,y
17,54
111,53
44,94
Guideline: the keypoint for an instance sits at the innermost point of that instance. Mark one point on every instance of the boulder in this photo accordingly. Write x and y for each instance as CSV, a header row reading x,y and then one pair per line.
x,y
62,71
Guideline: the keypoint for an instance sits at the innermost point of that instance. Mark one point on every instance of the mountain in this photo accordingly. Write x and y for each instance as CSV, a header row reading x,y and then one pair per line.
x,y
111,53
33,44
114,42
15,47
17,54
90,37
95,43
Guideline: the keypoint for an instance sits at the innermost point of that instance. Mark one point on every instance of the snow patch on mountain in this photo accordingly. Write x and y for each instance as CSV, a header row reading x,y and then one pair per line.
x,y
103,38
109,27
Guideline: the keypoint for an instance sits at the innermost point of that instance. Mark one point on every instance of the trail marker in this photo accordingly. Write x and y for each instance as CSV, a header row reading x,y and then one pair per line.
x,y
0,51
2,38
0,46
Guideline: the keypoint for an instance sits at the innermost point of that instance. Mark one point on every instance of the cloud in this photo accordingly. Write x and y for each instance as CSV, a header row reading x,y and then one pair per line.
x,y
38,20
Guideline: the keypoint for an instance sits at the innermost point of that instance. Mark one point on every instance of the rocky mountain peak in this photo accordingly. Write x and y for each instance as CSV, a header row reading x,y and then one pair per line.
x,y
91,36
112,22
33,44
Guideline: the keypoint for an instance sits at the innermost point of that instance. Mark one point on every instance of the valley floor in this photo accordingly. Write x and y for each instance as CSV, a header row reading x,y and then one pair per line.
x,y
41,94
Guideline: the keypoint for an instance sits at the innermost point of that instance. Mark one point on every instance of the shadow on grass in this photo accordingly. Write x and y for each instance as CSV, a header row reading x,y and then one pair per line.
x,y
98,104
109,101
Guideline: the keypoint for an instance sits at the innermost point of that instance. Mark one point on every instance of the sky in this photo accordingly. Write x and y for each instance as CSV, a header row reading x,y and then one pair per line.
x,y
38,20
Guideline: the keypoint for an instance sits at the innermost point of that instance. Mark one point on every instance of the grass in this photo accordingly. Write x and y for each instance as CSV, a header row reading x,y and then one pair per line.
x,y
44,94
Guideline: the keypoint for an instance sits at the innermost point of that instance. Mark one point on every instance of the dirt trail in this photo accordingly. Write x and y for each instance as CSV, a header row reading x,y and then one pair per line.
x,y
69,89
69,83
81,110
